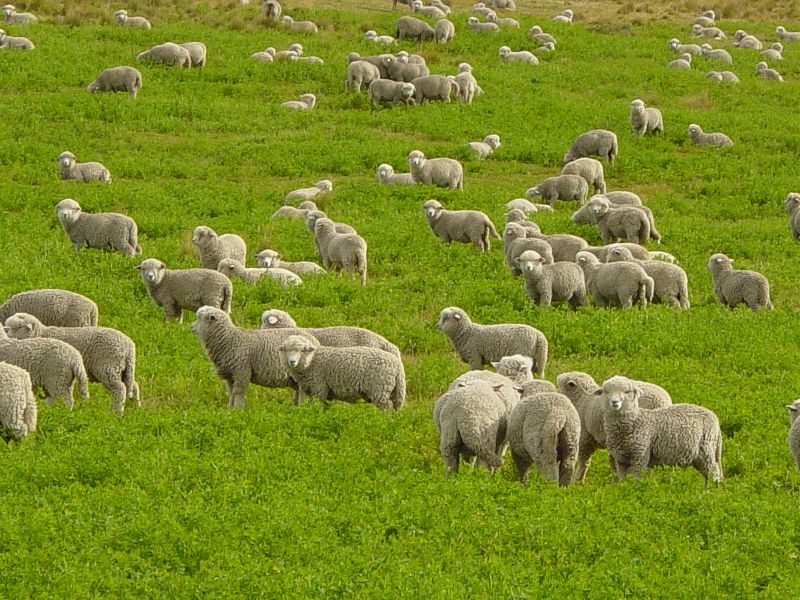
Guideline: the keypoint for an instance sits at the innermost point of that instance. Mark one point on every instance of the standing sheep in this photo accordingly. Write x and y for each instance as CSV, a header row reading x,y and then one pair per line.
x,y
387,176
489,144
645,120
397,70
413,28
615,284
167,53
738,287
52,307
444,31
125,21
197,53
17,404
396,92
212,248
515,242
85,172
700,138
106,231
233,268
794,431
561,187
341,251
358,72
596,142
586,213
616,222
271,9
117,79
468,85
590,169
433,87
557,282
792,206
443,172
467,226
670,283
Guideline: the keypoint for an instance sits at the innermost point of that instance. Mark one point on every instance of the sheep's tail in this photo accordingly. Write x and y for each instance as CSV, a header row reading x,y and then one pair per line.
x,y
128,376
398,396
654,234
132,234
540,356
454,86
137,82
683,294
361,264
492,230
79,373
225,303
644,231
614,150
645,294
29,416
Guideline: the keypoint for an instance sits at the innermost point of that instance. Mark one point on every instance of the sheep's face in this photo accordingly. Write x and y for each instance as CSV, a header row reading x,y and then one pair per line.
x,y
472,21
227,267
598,207
408,90
151,270
620,395
637,106
2,36
21,326
121,16
267,258
68,211
451,319
794,410
720,262
208,318
297,353
287,20
792,202
694,131
533,192
762,66
504,51
518,368
515,215
696,29
416,159
619,255
325,185
384,172
66,160
8,10
323,227
433,210
513,231
493,141
674,43
530,261
535,30
716,75
370,34
780,29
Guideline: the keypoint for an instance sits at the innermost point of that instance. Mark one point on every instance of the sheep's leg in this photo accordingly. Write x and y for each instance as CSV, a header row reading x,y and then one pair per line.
x,y
546,457
586,448
545,297
523,467
625,301
565,473
451,461
171,311
238,387
114,385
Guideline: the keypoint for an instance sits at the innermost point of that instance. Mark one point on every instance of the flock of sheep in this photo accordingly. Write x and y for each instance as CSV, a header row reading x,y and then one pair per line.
x,y
51,339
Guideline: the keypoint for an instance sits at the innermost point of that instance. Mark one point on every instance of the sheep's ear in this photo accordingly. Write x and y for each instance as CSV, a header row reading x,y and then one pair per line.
x,y
791,407
598,392
457,317
272,320
461,384
309,348
637,393
517,261
497,387
138,267
495,364
212,317
518,389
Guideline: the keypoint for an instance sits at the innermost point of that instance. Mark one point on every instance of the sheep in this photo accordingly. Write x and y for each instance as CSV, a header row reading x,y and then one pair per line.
x,y
480,9
212,247
547,283
467,226
564,246
546,47
794,431
19,43
387,176
520,56
197,53
527,206
306,102
441,6
268,55
718,54
407,72
117,79
479,27
427,11
679,48
615,284
433,87
290,211
442,172
537,34
596,142
505,4
337,336
109,356
271,9
372,36
747,41
596,206
125,21
502,21
561,187
590,169
311,223
17,404
270,259
706,19
711,32
341,251
615,222
330,373
621,197
396,92
773,52
444,31
301,26
763,71
679,435
85,172
381,61
468,85
478,345
53,365
565,16
791,205
413,28
601,252
483,149
60,308
404,57
544,429
700,138
323,186
167,54
233,268
645,120
176,290
722,76
406,2
738,287
787,36
684,62
515,243
99,230
13,17
670,283
517,216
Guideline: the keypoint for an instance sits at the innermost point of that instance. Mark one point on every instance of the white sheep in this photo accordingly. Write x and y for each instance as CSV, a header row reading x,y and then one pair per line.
x,y
267,55
710,32
323,186
372,36
413,28
516,241
562,187
290,211
747,41
700,138
468,85
467,226
10,42
502,21
233,268
596,142
645,119
787,36
271,9
396,92
526,205
738,287
520,56
341,251
565,16
431,11
387,176
117,79
684,62
311,223
615,222
98,230
125,21
479,27
444,31
167,53
197,52
441,6
794,431
546,47
85,172
722,76
480,9
679,48
404,57
763,71
716,54
590,169
670,283
442,172
792,206
706,19
774,52
518,216
547,283
615,284
300,26
17,404
483,149
212,247
52,307
537,34
271,259
306,102
434,87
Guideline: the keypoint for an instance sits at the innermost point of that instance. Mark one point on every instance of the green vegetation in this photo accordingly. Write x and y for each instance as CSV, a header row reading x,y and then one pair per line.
x,y
184,498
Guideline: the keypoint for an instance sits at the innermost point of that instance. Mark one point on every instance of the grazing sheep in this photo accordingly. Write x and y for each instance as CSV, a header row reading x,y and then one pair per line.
x,y
738,287
502,21
645,120
212,248
722,76
433,87
406,2
176,290
718,54
396,92
271,9
8,42
700,138
679,48
117,79
615,284
444,31
323,186
565,16
684,62
85,172
792,206
197,53
387,176
706,19
747,41
341,336
17,404
125,21
527,206
350,374
547,283
520,56
427,11
413,28
467,226
680,435
590,169
167,54
233,268
109,356
290,211
763,71
564,246
98,230
341,251
561,187
52,307
537,34
774,52
489,144
300,26
404,71
381,61
270,259
670,283
372,36
16,18
468,85
306,102
794,431
710,32
479,27
596,142
787,36
478,345
442,172
616,222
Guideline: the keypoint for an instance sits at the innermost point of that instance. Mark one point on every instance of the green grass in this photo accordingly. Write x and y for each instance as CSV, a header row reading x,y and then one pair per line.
x,y
185,498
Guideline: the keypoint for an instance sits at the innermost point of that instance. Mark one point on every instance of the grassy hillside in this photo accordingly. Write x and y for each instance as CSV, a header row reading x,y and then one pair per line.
x,y
186,498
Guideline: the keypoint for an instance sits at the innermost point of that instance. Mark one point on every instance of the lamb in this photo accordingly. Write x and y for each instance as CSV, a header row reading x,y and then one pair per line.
x,y
747,41
467,226
125,21
645,120
615,284
502,21
526,205
233,268
117,79
561,187
337,336
546,47
671,284
404,57
700,138
763,71
565,16
311,223
684,62
413,28
98,230
615,222
53,365
8,42
596,142
710,32
505,4
176,290
479,27
267,55
590,169
167,53
722,76
109,356
738,287
517,216
321,187
774,52
520,56
197,53
271,9
791,205
706,19
372,36
331,373
290,211
544,429
468,85
679,48
537,34
433,87
407,72
547,283
427,11
306,102
396,92
787,36
212,248
516,242
794,431
387,176
17,404
478,345
85,172
270,259
444,31
679,435
442,172
489,144
301,26
52,307
718,54
381,61
341,251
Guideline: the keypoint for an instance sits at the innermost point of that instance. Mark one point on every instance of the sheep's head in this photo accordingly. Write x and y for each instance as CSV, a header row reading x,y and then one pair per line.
x,y
780,29
515,215
324,226
535,30
719,262
452,319
567,12
229,266
504,51
533,192
385,171
583,215
325,185
492,141
202,234
687,57
68,211
792,202
298,48
287,20
740,33
620,395
637,106
275,319
697,29
599,205
530,261
513,231
586,259
9,9
694,131
777,46
416,159
674,43
472,21
370,34
619,254
407,90
22,326
517,368
312,217
402,56
575,384
208,319
529,389
151,270
794,410
715,75
433,209
309,99
297,352
121,16
66,159
267,258
464,68
491,17
762,66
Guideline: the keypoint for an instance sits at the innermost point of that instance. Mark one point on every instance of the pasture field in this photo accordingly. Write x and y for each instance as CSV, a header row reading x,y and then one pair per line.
x,y
185,498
